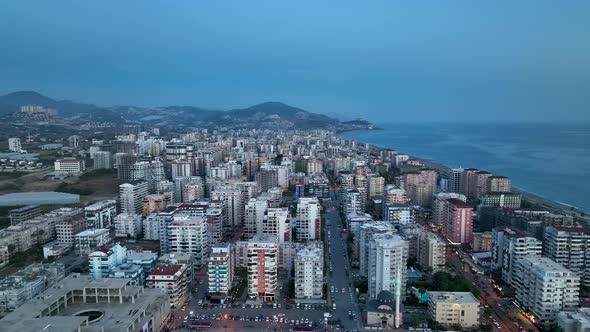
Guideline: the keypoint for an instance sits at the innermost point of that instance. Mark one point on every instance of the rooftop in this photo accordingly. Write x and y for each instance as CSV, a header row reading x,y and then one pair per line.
x,y
454,297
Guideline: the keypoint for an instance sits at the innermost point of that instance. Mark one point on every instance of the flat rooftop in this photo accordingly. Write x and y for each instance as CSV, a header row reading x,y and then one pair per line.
x,y
453,297
117,316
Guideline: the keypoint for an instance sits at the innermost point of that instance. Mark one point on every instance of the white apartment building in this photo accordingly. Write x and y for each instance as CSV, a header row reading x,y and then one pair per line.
x,y
309,272
69,165
174,279
128,225
277,224
431,251
101,214
546,288
570,247
103,260
388,256
308,219
398,213
220,271
66,230
14,145
262,265
254,213
88,240
131,197
353,201
366,233
508,248
449,308
188,234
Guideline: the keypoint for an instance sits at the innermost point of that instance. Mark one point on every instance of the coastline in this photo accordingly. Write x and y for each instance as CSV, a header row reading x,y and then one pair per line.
x,y
528,196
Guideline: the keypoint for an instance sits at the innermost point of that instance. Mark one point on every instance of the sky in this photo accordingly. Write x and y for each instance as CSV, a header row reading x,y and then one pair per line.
x,y
526,60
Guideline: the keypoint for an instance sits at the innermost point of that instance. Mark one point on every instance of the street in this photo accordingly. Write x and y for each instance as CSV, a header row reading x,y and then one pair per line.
x,y
340,277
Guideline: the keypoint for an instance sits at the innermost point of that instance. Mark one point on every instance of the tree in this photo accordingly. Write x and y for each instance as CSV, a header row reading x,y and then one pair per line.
x,y
415,321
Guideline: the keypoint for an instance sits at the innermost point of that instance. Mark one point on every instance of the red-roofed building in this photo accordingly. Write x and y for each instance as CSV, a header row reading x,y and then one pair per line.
x,y
174,279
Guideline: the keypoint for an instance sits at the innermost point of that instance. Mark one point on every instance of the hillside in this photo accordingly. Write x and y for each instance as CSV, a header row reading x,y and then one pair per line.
x,y
273,115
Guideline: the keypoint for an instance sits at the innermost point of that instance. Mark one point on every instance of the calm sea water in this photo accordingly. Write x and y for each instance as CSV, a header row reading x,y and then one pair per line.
x,y
552,161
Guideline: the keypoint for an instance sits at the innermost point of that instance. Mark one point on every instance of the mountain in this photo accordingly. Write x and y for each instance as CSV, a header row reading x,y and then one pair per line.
x,y
274,115
13,101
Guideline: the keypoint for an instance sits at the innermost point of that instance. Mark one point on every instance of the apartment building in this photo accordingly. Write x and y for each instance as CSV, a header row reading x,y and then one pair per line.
x,y
546,288
262,267
450,308
308,219
570,247
431,251
309,272
220,272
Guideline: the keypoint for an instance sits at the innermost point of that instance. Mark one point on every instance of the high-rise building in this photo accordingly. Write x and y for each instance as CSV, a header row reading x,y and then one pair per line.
x,y
376,185
431,251
440,210
154,203
128,225
174,279
266,179
233,205
182,168
104,259
14,145
262,263
398,213
103,160
220,272
353,201
388,256
498,184
469,187
366,233
314,166
308,219
570,247
131,197
394,195
188,234
509,247
124,163
420,186
482,241
458,226
546,289
254,213
309,272
481,180
101,214
276,223
456,180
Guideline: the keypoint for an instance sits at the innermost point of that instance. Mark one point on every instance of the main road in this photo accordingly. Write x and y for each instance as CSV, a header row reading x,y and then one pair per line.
x,y
340,276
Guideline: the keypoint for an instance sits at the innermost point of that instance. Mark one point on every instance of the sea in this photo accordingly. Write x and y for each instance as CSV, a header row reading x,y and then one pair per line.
x,y
548,160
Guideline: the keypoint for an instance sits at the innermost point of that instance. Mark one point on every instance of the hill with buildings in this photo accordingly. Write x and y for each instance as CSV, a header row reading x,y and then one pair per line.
x,y
272,115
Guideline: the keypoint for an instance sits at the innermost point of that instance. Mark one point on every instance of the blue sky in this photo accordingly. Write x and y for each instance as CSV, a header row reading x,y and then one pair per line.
x,y
393,60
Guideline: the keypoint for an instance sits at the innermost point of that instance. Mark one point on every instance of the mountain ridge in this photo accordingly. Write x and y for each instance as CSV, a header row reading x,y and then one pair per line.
x,y
271,114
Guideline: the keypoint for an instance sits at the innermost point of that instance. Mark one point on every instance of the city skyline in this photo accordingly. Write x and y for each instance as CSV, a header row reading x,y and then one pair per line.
x,y
524,61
